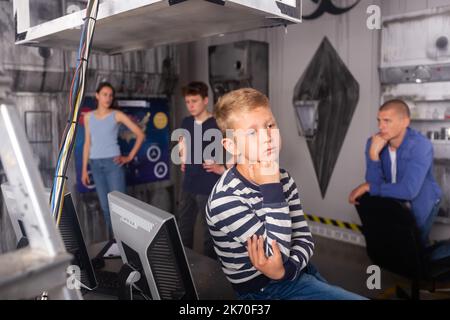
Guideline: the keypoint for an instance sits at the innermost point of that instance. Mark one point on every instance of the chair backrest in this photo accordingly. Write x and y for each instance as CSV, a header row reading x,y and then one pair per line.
x,y
392,237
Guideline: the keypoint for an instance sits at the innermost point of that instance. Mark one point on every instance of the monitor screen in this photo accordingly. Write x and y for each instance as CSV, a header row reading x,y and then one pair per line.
x,y
149,242
69,228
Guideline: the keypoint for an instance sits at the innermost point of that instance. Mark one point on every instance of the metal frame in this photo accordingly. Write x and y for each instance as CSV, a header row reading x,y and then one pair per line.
x,y
37,112
25,273
155,22
412,17
21,9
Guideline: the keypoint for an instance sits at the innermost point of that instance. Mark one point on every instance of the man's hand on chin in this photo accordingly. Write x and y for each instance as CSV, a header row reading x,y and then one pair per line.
x,y
378,143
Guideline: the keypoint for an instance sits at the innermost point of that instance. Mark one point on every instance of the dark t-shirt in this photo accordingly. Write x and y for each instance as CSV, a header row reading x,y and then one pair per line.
x,y
196,179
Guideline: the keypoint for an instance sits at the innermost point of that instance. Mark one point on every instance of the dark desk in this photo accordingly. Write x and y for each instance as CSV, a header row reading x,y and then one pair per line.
x,y
207,274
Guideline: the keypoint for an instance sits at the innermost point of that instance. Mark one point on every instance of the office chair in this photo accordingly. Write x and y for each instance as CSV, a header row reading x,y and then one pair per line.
x,y
393,243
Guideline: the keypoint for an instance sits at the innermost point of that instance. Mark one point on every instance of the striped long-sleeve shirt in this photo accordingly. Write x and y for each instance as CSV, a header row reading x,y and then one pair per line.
x,y
238,209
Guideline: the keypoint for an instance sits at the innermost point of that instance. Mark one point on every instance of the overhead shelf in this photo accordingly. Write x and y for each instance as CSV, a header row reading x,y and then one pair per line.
x,y
124,25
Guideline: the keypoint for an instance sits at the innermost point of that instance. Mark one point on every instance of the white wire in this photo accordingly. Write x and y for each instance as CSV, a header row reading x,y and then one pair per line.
x,y
80,76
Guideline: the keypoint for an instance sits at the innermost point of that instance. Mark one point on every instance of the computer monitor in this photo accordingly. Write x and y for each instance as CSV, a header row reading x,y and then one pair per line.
x,y
69,228
149,242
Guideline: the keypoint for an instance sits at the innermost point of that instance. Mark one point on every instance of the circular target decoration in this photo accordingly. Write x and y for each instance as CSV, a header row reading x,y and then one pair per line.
x,y
153,153
160,170
160,120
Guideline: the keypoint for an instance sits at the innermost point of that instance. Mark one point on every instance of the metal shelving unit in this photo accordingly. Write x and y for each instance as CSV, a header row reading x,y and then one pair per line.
x,y
136,24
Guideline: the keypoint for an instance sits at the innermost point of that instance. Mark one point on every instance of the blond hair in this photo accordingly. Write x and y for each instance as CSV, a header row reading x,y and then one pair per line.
x,y
236,101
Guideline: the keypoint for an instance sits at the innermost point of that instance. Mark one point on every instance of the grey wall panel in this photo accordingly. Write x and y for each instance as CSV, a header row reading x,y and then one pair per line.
x,y
328,80
238,65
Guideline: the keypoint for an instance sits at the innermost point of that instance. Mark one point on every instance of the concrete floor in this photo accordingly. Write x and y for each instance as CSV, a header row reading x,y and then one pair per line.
x,y
345,265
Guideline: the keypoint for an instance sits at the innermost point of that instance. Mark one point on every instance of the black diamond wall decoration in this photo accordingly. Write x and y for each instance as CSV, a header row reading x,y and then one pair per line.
x,y
328,81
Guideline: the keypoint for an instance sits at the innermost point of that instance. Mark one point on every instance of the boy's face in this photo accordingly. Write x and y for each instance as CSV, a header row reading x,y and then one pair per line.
x,y
196,104
256,136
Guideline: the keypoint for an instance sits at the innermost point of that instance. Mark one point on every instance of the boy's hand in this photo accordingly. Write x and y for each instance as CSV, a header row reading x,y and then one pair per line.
x,y
182,153
121,160
272,266
212,166
264,172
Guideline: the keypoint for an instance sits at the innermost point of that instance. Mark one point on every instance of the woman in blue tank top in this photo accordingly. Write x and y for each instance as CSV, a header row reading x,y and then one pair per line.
x,y
101,149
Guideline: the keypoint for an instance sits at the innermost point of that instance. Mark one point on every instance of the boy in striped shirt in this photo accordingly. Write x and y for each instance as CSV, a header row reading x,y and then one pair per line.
x,y
254,212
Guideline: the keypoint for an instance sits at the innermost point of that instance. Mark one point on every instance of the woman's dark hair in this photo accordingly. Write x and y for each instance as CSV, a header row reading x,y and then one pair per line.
x,y
104,84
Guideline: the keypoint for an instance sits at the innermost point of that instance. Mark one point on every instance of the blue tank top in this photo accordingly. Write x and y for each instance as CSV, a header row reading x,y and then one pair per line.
x,y
104,134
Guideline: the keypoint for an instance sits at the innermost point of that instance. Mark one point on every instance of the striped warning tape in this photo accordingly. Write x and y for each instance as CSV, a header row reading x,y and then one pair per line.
x,y
335,223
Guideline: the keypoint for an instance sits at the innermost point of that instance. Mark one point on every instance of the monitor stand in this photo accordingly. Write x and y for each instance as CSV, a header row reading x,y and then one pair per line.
x,y
128,277
23,242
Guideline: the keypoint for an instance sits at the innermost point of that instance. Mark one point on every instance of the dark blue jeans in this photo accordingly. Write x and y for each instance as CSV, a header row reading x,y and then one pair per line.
x,y
189,207
108,176
310,285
